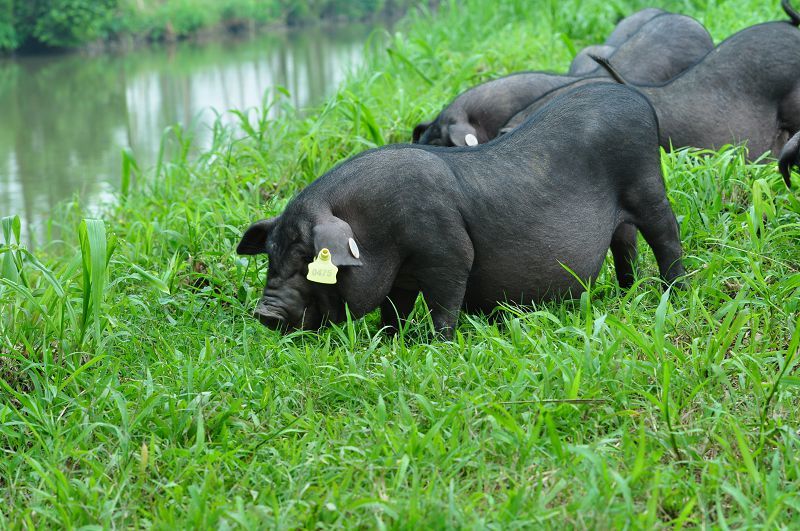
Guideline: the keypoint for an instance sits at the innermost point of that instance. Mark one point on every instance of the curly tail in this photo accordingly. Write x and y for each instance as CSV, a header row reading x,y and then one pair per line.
x,y
790,156
606,64
794,16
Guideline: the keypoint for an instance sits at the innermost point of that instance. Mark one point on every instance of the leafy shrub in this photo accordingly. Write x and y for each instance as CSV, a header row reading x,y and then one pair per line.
x,y
8,37
184,17
259,11
69,23
353,9
60,23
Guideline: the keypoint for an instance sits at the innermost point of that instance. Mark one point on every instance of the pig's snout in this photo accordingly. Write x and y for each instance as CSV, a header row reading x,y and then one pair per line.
x,y
270,317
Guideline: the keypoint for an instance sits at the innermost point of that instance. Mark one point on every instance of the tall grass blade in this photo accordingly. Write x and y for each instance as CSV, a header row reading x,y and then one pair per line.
x,y
394,54
162,146
129,169
11,230
94,259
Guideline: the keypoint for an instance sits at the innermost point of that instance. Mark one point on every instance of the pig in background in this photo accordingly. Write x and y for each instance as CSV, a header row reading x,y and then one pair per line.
x,y
583,63
664,45
470,228
746,90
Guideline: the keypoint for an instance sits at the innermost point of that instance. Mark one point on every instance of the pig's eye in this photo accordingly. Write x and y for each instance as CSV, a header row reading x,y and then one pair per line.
x,y
302,252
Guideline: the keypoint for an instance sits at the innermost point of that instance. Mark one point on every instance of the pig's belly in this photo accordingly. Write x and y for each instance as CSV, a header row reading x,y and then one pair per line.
x,y
535,271
736,122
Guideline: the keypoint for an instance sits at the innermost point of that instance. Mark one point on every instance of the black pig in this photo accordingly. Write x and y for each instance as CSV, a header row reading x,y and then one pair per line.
x,y
662,47
745,90
582,64
629,25
472,227
482,110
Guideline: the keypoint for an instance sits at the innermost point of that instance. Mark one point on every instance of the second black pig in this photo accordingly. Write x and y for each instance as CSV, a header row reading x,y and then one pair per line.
x,y
747,90
664,46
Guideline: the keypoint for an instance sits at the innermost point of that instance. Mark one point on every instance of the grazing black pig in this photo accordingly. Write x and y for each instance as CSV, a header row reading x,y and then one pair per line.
x,y
482,110
629,25
664,46
745,90
472,227
582,64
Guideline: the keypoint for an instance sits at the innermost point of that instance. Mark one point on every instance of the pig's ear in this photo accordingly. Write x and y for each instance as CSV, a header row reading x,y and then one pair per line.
x,y
336,235
419,130
254,240
463,135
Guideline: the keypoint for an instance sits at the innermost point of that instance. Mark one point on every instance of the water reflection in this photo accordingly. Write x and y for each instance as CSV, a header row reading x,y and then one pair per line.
x,y
64,119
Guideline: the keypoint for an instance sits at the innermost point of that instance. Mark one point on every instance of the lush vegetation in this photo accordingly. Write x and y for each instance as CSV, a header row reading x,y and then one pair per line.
x,y
67,23
137,390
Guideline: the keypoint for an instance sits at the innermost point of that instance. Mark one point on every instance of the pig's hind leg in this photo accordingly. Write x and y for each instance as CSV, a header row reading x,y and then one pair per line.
x,y
650,211
660,229
623,249
441,271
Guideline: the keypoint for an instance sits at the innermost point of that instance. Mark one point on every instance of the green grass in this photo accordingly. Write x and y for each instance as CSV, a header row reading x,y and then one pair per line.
x,y
137,390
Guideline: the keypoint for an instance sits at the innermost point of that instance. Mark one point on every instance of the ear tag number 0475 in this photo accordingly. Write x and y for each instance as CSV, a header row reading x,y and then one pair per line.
x,y
322,270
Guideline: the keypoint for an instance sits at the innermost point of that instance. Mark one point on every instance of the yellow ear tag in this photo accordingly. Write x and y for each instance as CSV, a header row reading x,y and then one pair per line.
x,y
322,269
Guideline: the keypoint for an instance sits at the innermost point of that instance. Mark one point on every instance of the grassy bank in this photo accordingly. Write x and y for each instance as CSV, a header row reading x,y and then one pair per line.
x,y
137,390
29,25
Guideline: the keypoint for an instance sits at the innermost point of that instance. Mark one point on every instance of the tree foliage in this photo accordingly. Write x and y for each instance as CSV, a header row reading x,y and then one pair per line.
x,y
8,36
56,23
35,24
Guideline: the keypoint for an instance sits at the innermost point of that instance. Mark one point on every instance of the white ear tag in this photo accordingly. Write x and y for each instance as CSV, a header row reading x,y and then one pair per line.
x,y
353,248
471,139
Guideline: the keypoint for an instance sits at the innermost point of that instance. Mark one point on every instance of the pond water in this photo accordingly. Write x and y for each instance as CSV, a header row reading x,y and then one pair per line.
x,y
65,119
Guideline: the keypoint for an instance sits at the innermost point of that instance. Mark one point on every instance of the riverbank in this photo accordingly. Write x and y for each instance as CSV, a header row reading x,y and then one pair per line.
x,y
135,96
149,21
138,391
100,24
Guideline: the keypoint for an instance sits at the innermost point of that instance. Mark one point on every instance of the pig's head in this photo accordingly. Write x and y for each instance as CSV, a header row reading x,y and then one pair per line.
x,y
290,300
446,131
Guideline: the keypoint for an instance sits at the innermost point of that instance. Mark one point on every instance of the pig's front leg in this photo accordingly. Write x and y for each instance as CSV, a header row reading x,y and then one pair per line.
x,y
442,275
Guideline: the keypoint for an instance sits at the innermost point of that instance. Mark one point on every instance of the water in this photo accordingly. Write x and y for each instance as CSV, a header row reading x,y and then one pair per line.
x,y
64,119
